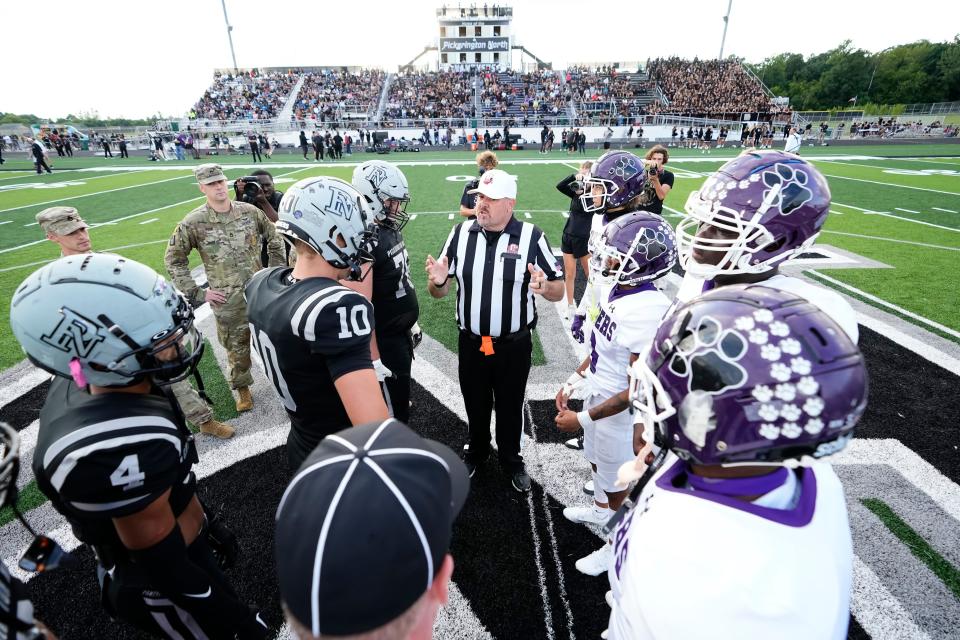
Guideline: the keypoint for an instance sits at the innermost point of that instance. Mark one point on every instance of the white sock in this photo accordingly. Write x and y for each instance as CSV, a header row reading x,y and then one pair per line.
x,y
599,495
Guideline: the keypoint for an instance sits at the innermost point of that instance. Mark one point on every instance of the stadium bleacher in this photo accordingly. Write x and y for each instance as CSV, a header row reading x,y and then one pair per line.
x,y
330,94
247,95
447,94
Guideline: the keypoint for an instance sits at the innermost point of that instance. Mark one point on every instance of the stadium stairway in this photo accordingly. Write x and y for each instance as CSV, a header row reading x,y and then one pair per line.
x,y
384,94
571,104
287,112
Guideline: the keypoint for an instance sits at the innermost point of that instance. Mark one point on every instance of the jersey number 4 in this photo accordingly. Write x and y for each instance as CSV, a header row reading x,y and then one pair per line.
x,y
128,474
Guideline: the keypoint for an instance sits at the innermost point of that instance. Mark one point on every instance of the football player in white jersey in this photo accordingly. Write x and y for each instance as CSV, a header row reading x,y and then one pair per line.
x,y
634,250
756,212
617,185
748,387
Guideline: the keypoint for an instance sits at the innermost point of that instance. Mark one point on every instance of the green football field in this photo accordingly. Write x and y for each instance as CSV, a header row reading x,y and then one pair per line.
x,y
896,205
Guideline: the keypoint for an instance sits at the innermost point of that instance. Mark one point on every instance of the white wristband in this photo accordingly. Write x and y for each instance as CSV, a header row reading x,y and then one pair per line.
x,y
583,417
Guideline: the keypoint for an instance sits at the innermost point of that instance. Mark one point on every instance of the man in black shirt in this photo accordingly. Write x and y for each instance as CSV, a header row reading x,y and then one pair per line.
x,y
576,232
317,140
486,160
660,179
303,143
312,333
543,139
338,146
389,287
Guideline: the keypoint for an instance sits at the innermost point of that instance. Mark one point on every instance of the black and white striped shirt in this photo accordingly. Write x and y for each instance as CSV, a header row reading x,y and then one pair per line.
x,y
493,283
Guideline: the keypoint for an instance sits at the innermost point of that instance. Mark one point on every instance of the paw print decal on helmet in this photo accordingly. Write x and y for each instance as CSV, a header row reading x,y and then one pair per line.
x,y
708,357
793,192
625,169
652,244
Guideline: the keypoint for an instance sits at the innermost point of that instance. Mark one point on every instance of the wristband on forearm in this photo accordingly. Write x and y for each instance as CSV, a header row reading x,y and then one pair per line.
x,y
583,417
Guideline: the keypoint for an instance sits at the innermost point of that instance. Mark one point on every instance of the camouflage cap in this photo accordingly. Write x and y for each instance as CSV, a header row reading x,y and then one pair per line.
x,y
61,221
207,173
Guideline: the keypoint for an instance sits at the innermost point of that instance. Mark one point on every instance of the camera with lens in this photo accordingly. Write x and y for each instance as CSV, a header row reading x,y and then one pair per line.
x,y
653,170
251,189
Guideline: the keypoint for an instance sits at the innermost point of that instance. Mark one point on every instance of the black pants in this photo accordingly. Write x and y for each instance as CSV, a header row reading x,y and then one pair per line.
x,y
255,152
496,381
107,153
303,148
396,352
123,151
317,152
128,595
41,162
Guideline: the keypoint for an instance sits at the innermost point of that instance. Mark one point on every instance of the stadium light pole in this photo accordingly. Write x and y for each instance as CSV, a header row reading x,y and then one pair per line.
x,y
726,23
226,20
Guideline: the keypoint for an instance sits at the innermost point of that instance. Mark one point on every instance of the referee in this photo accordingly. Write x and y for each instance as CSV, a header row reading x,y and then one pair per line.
x,y
499,263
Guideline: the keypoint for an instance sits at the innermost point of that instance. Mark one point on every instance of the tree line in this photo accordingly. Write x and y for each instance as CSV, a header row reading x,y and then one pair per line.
x,y
918,72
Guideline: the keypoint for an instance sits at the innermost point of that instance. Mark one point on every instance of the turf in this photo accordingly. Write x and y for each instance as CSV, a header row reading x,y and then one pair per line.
x,y
923,257
920,548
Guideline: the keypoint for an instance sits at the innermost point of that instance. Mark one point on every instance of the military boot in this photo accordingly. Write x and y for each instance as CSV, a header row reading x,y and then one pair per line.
x,y
217,429
244,399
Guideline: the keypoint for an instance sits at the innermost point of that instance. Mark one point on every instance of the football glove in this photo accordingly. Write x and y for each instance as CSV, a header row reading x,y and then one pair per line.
x,y
573,383
576,328
223,543
381,370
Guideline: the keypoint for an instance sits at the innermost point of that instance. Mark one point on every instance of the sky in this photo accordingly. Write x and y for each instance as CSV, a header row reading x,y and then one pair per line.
x,y
133,58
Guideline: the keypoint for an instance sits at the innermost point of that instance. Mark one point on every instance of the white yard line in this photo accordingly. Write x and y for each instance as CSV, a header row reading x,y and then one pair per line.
x,y
149,221
96,193
905,210
877,610
917,244
889,305
892,184
944,210
887,214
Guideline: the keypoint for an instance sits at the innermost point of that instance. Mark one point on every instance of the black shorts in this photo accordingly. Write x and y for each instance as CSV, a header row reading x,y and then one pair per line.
x,y
577,245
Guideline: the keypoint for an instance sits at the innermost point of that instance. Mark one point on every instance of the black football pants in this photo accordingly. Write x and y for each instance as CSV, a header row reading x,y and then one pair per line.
x,y
495,381
396,353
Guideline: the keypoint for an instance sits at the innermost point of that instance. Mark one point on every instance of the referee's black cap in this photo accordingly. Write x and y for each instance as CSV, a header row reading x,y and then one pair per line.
x,y
363,527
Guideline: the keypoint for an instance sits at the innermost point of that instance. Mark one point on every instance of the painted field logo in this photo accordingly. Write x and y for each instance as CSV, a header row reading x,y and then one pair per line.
x,y
74,334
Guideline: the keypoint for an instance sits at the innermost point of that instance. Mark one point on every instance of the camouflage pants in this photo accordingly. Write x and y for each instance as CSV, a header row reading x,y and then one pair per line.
x,y
194,408
234,334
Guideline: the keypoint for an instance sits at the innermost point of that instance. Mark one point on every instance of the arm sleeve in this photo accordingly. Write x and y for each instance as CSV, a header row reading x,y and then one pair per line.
x,y
178,264
564,186
275,254
546,260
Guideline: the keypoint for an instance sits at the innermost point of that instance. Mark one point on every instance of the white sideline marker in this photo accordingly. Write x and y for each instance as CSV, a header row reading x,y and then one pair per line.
x,y
944,210
526,214
450,216
906,210
150,220
31,224
413,217
565,214
6,222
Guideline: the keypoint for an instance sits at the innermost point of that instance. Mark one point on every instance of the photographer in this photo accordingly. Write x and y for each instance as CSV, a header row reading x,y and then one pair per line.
x,y
257,189
486,160
660,178
576,231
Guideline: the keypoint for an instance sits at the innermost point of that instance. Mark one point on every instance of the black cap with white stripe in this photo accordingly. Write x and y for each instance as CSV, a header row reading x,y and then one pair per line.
x,y
363,527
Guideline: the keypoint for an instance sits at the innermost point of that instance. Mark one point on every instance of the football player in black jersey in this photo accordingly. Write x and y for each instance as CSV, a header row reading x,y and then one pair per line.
x,y
113,452
311,332
391,291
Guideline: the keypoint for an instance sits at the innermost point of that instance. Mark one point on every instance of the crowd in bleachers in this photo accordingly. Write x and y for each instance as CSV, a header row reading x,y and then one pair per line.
x,y
328,93
708,88
523,96
616,95
435,94
247,95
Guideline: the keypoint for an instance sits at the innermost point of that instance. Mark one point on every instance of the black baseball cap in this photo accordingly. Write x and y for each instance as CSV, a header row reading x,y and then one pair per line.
x,y
364,525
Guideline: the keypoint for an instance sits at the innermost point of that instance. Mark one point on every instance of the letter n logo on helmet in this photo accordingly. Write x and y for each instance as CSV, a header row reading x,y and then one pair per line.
x,y
74,334
377,176
341,204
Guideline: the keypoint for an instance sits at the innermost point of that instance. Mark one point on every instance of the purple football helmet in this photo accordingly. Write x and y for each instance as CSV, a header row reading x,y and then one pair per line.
x,y
771,204
635,248
750,374
615,179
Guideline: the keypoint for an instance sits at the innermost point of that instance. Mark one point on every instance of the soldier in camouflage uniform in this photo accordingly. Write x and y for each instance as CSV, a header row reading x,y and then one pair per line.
x,y
65,227
227,235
